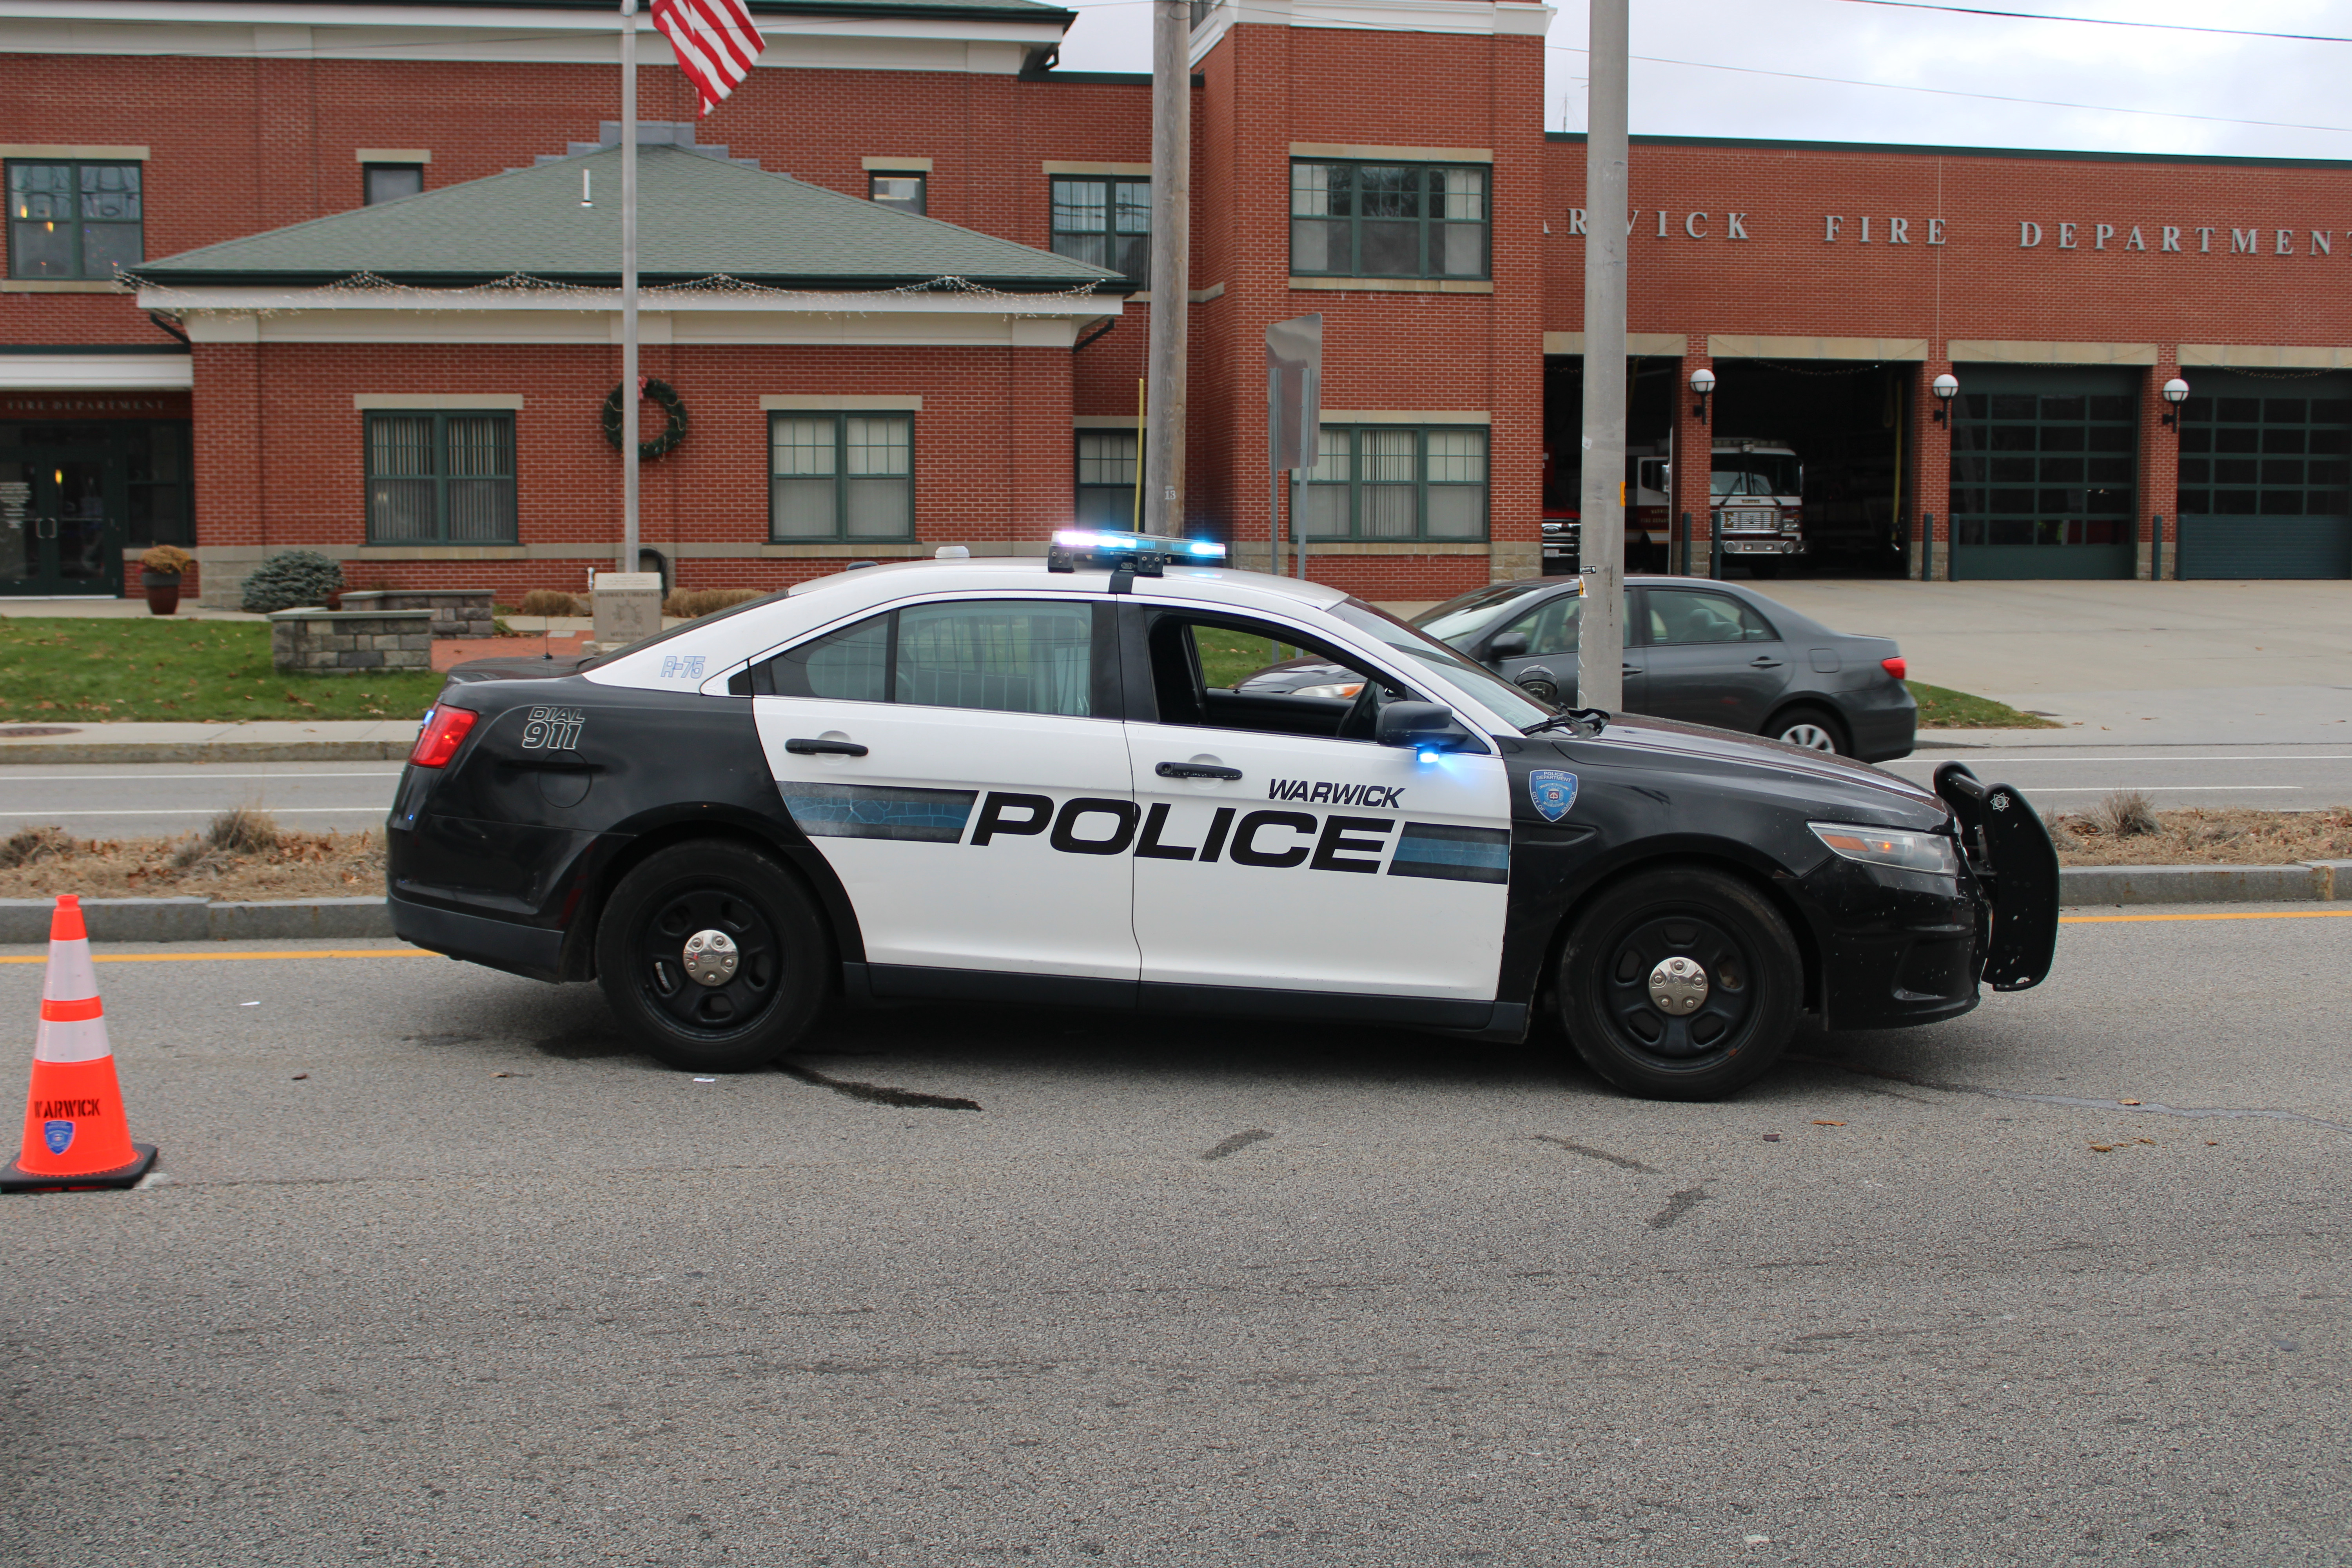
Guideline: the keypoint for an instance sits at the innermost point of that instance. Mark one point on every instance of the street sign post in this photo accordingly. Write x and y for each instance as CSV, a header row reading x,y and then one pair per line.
x,y
1294,415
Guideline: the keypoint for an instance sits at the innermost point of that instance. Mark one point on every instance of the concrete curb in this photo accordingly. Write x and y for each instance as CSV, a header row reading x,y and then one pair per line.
x,y
26,920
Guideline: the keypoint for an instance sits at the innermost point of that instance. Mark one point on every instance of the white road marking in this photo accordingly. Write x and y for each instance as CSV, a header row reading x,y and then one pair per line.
x,y
2328,757
149,778
201,811
2171,789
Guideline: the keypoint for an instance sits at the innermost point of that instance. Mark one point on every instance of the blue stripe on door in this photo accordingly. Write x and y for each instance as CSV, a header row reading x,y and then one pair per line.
x,y
1453,854
865,811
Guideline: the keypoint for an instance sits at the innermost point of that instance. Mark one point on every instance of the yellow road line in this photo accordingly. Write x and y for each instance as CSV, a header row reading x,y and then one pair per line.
x,y
2264,915
232,957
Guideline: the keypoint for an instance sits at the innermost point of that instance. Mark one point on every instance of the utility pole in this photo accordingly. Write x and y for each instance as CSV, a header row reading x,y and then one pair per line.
x,y
1171,241
629,399
1600,642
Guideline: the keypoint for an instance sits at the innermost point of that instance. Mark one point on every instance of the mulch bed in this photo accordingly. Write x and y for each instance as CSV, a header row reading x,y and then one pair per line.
x,y
42,862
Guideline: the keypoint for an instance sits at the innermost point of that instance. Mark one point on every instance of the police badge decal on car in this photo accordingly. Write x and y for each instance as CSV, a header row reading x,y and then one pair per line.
x,y
1552,791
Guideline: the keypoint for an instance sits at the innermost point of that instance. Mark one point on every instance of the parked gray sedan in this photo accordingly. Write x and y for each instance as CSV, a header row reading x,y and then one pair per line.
x,y
1706,652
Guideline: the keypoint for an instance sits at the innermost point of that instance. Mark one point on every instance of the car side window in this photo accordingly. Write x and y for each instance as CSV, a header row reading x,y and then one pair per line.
x,y
1230,673
1549,627
1681,617
1000,656
1008,657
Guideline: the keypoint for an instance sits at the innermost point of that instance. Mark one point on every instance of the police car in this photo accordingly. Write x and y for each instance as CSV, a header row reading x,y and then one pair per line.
x,y
1015,781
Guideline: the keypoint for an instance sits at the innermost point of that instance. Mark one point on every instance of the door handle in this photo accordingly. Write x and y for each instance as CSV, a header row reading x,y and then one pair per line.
x,y
824,747
1763,664
1629,670
1195,771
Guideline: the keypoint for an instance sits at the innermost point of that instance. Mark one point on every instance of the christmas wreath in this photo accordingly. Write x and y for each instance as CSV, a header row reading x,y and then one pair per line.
x,y
663,395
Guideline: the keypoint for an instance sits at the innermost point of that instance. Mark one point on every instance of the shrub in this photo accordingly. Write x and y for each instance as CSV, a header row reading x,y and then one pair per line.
x,y
550,602
242,830
290,578
166,560
703,601
2126,814
30,846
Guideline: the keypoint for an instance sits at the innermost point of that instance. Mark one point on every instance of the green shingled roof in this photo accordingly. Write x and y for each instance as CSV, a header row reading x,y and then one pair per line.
x,y
696,217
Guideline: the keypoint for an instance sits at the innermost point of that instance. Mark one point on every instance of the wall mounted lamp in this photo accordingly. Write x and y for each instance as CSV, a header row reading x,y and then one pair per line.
x,y
2175,393
1946,387
1701,383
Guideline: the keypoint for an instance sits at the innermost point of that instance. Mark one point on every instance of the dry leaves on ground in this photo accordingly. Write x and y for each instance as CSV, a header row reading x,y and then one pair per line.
x,y
2199,836
244,854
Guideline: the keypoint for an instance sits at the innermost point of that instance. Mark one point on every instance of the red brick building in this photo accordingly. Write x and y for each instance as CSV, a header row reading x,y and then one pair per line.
x,y
353,330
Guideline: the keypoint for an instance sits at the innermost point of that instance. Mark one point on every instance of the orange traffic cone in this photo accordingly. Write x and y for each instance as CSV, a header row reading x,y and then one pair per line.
x,y
75,1132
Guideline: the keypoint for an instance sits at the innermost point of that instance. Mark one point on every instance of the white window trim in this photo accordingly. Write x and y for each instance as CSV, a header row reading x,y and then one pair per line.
x,y
887,402
486,401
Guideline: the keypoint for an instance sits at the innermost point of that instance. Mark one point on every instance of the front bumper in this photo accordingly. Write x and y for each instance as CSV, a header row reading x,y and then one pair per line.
x,y
1898,948
1735,544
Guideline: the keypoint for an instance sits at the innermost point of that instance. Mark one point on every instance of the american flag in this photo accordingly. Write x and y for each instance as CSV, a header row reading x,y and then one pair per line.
x,y
716,43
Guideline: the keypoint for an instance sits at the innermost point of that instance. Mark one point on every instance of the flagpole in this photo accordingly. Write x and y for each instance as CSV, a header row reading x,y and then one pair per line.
x,y
629,399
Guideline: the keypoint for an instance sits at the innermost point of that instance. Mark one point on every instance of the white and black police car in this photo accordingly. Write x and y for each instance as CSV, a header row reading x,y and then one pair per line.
x,y
1012,781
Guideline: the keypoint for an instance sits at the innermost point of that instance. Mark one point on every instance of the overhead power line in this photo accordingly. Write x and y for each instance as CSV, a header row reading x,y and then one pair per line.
x,y
1989,96
2103,21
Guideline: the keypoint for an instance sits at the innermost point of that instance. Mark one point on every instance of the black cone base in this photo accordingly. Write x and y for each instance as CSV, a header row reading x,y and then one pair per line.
x,y
16,1179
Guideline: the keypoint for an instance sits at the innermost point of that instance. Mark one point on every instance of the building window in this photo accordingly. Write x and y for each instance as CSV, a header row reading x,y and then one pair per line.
x,y
903,191
1107,463
439,478
2053,466
1104,221
2265,457
840,476
390,182
1395,481
73,220
1388,220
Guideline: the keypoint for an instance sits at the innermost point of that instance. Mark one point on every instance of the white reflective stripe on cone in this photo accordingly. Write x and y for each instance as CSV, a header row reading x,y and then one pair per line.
x,y
77,1040
71,977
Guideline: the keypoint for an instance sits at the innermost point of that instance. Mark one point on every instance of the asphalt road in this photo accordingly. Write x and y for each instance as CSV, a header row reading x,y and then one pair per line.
x,y
444,1272
126,800
2074,778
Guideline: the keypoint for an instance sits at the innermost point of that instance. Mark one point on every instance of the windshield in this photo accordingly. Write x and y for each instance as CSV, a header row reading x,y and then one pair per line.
x,y
1508,702
1755,474
1462,617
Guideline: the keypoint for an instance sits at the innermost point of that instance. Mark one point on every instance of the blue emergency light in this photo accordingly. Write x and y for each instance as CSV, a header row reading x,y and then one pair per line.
x,y
1138,553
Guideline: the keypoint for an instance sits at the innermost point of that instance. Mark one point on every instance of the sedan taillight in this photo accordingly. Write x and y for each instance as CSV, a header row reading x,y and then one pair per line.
x,y
445,730
1896,666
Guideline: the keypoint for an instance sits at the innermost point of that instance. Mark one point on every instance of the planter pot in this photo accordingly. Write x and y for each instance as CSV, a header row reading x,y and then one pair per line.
x,y
163,591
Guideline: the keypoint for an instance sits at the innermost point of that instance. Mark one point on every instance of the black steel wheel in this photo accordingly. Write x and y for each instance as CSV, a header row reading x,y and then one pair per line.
x,y
714,956
1814,728
1680,985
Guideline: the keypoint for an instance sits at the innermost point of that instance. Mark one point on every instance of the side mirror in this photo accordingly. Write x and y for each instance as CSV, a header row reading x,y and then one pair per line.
x,y
1423,726
1510,645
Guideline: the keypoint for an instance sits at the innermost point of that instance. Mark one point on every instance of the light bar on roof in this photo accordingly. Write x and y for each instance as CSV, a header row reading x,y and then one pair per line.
x,y
1140,553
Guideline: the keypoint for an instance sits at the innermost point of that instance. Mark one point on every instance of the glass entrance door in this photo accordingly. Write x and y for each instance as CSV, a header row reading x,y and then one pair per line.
x,y
61,526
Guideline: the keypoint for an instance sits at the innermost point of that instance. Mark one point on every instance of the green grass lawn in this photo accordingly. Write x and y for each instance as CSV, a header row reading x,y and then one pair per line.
x,y
70,669
1227,656
1940,708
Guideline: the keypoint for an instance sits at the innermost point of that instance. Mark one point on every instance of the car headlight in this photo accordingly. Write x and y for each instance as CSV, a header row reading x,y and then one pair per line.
x,y
1930,852
1338,689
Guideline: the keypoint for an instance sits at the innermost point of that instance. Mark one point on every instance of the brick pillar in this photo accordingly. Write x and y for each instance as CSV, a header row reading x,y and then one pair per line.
x,y
2159,470
1694,463
227,467
1929,482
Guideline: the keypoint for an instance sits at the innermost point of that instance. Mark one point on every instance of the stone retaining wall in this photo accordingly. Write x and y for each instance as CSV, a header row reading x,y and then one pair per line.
x,y
457,612
351,642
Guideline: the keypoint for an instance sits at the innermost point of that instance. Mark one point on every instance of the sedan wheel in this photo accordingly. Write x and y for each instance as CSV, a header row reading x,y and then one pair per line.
x,y
1541,691
1680,985
712,956
1809,727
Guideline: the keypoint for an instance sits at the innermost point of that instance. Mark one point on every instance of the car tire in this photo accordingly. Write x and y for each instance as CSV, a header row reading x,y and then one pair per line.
x,y
1814,728
775,990
1542,690
1752,975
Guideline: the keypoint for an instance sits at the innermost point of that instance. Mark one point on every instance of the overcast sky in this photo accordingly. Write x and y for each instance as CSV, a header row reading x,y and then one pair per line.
x,y
2110,69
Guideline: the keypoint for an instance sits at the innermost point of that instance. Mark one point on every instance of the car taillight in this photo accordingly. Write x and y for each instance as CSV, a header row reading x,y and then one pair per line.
x,y
445,730
1895,667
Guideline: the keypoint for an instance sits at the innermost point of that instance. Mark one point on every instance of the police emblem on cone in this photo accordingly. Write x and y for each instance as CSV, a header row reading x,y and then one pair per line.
x,y
75,1131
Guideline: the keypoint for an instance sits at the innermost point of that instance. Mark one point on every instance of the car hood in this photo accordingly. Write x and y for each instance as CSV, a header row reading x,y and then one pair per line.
x,y
1663,738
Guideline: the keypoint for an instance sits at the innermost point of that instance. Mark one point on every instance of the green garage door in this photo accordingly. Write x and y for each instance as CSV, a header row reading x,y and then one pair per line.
x,y
2044,471
2263,480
